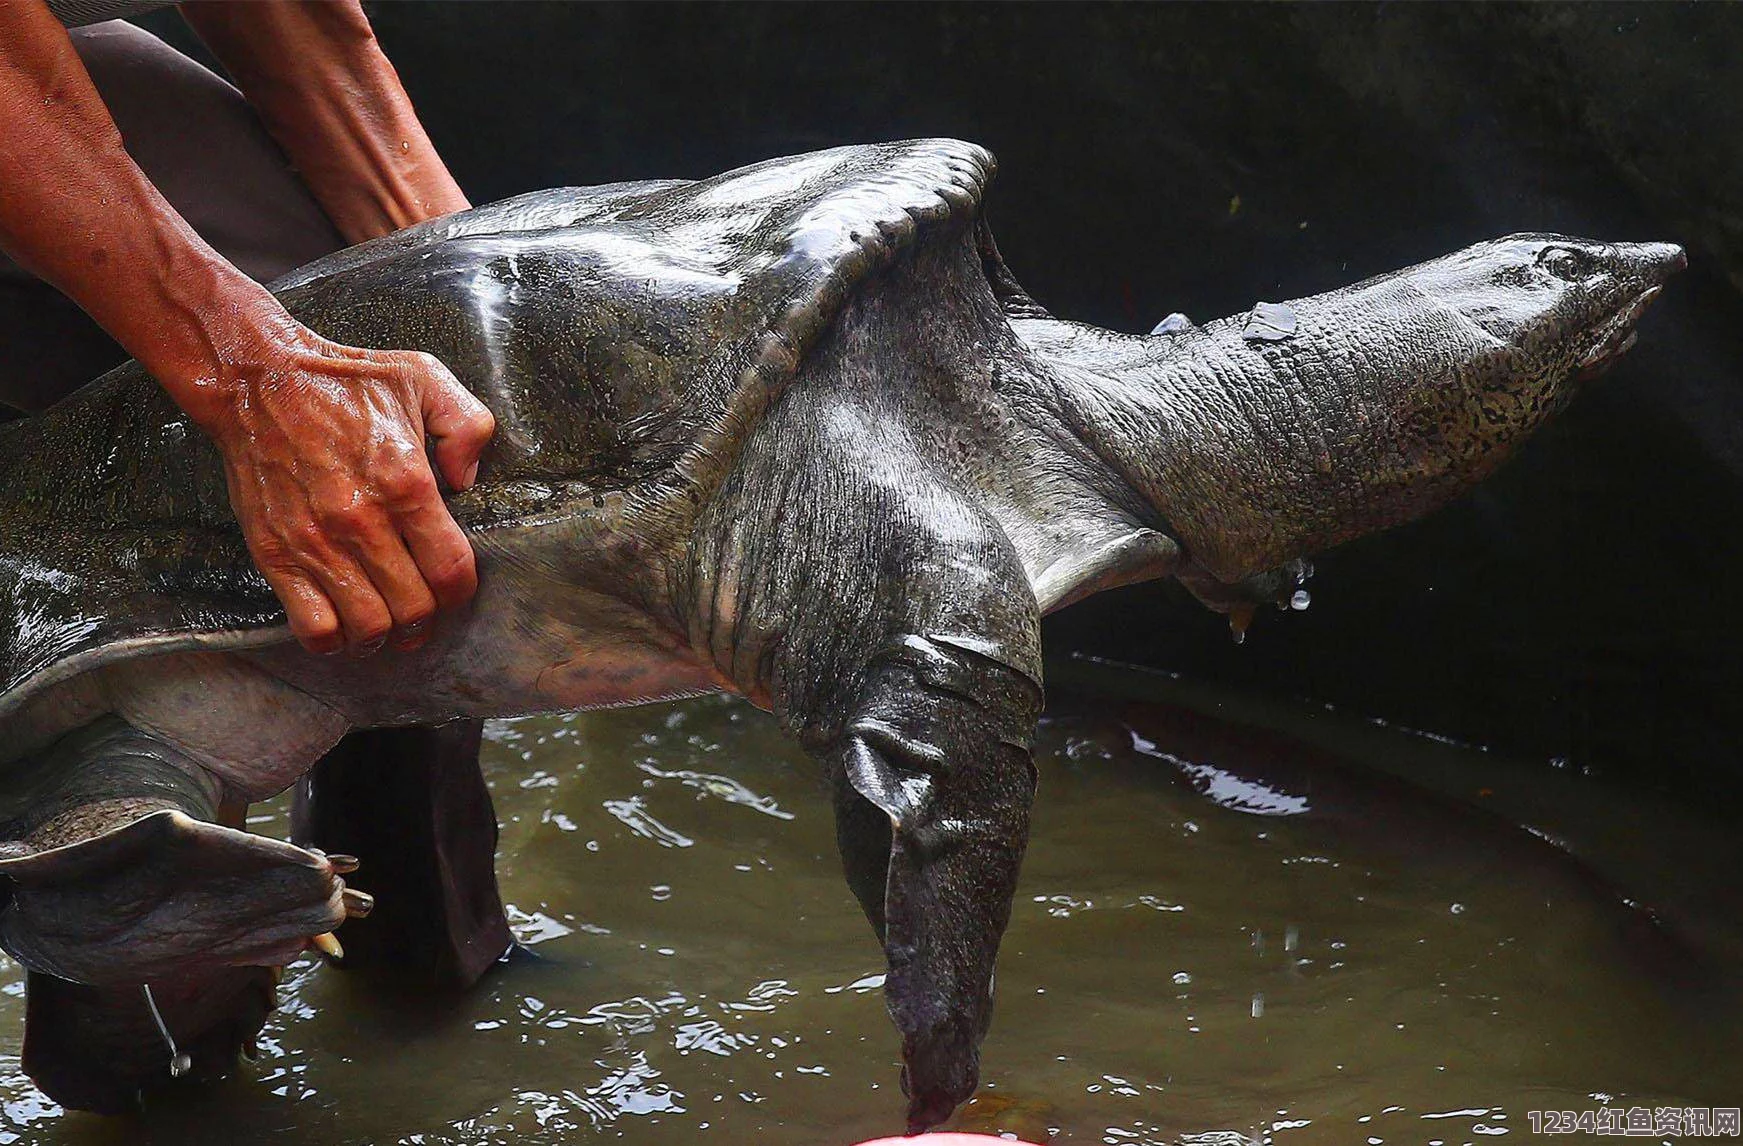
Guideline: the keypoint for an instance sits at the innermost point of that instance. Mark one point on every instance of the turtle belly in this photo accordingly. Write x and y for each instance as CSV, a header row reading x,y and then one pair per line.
x,y
520,652
258,732
252,731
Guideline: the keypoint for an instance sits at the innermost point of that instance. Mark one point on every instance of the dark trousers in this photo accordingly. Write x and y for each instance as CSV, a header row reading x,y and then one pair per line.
x,y
410,803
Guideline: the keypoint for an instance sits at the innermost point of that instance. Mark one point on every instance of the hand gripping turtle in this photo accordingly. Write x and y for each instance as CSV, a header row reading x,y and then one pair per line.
x,y
792,432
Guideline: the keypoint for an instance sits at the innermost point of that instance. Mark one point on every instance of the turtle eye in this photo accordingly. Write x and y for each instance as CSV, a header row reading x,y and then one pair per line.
x,y
1564,263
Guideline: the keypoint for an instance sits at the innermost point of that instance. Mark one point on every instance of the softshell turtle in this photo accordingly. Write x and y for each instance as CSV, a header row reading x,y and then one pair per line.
x,y
792,432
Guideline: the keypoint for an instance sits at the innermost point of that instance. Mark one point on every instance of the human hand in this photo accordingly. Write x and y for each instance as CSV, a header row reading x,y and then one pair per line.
x,y
324,451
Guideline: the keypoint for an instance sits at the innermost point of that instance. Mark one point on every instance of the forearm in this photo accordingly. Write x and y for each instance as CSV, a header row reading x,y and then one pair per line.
x,y
77,211
328,94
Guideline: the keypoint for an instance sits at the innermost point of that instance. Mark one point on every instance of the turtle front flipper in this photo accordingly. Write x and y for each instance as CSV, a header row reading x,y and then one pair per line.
x,y
933,787
843,580
114,875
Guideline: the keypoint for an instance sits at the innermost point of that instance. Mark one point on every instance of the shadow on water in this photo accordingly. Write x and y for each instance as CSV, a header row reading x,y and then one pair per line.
x,y
1237,922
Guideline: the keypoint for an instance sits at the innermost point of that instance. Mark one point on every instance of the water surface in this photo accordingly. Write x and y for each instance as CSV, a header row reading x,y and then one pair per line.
x,y
1222,935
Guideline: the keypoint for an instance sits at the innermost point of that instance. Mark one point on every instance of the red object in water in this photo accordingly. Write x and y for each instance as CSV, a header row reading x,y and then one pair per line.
x,y
945,1140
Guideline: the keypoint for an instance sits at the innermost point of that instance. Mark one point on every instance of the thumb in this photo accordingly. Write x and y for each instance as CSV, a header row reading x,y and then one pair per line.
x,y
459,422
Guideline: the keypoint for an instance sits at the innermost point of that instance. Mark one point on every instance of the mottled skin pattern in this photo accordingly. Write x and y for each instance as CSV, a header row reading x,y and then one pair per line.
x,y
792,432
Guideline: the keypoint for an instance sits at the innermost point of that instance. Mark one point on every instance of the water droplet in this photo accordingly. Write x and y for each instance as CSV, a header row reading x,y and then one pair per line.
x,y
1239,635
1458,909
1181,978
1270,322
1173,324
180,1065
1300,600
1258,1004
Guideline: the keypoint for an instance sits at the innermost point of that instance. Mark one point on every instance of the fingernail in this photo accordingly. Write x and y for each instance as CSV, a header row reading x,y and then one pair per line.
x,y
343,864
357,903
471,476
369,648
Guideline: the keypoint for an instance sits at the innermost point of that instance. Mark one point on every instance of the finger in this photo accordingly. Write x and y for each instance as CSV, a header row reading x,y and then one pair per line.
x,y
363,614
313,620
396,577
442,552
459,422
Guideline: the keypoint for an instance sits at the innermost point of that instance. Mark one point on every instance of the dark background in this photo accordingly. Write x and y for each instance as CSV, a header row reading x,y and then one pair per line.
x,y
1583,604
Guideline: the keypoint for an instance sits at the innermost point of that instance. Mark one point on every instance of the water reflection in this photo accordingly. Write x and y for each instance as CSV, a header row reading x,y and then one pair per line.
x,y
1339,967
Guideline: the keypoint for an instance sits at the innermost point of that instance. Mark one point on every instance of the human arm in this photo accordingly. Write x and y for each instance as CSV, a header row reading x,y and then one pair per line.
x,y
323,444
319,81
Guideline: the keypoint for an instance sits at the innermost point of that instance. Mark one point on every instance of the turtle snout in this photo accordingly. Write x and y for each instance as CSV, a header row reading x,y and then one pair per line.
x,y
1653,263
1642,269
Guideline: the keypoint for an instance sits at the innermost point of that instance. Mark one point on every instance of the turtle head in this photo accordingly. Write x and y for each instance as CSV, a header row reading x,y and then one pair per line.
x,y
1301,425
1562,308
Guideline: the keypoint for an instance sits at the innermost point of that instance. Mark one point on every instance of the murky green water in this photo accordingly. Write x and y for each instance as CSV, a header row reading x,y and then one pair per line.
x,y
1254,939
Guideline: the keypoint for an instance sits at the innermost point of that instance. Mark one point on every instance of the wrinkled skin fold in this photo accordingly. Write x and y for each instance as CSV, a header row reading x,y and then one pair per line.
x,y
792,432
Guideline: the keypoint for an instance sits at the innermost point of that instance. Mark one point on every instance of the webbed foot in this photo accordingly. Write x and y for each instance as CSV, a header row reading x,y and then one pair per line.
x,y
115,876
115,884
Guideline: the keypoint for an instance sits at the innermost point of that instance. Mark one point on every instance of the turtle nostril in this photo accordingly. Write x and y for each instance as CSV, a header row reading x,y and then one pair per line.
x,y
1666,259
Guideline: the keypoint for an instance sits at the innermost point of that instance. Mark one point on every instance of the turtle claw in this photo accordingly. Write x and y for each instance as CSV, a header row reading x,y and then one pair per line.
x,y
328,944
358,904
340,863
1240,619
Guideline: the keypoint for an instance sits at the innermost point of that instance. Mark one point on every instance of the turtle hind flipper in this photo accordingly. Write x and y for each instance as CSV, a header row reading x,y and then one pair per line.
x,y
114,874
102,821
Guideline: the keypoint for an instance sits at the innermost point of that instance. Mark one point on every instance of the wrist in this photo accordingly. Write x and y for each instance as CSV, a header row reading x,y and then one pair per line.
x,y
220,333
